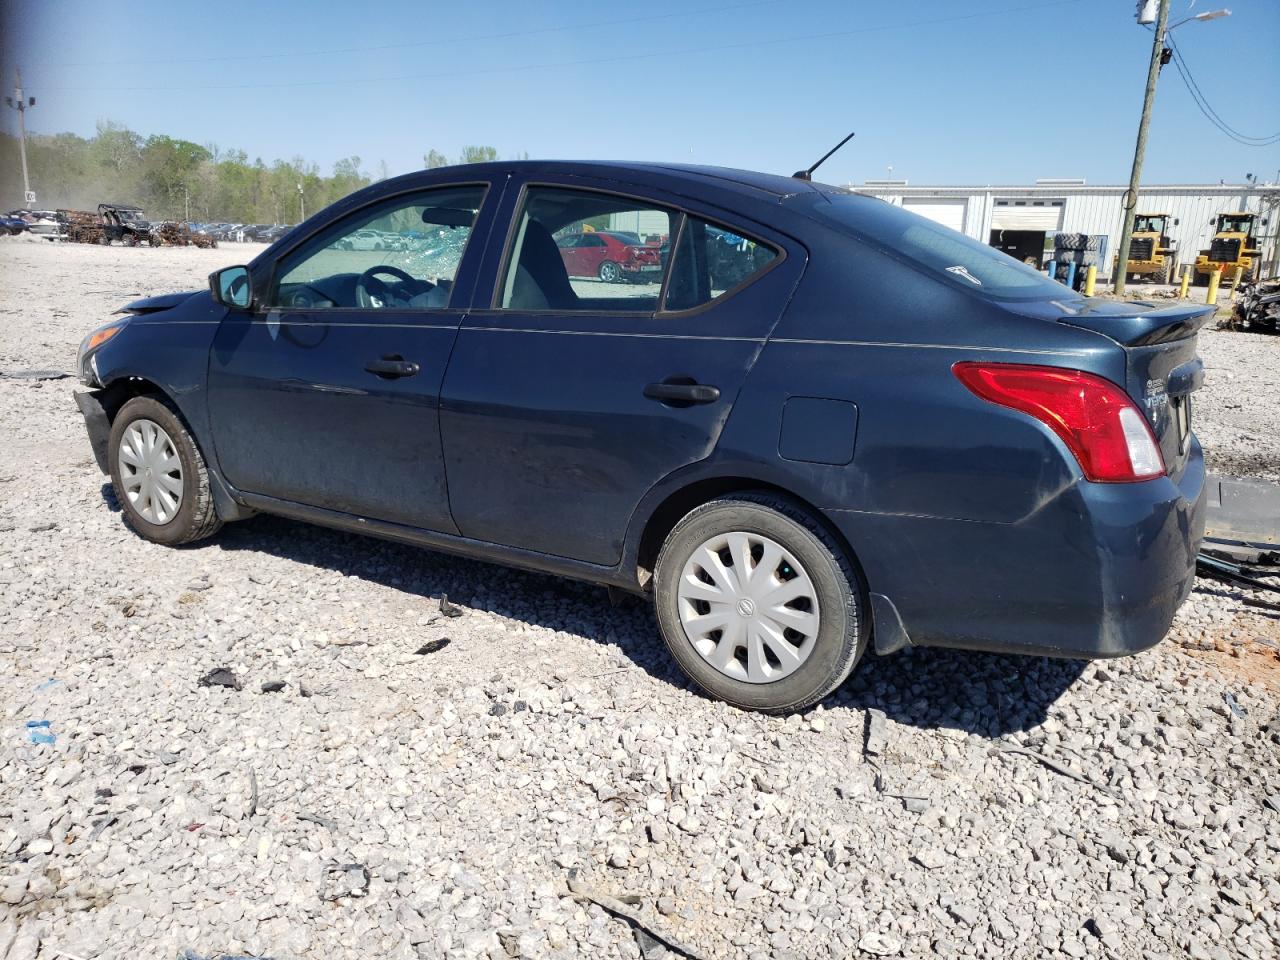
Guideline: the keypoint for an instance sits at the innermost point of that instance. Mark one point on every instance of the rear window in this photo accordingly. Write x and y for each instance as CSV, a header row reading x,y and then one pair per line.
x,y
960,260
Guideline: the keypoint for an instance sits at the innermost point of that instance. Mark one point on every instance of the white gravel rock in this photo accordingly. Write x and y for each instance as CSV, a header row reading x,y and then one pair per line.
x,y
553,733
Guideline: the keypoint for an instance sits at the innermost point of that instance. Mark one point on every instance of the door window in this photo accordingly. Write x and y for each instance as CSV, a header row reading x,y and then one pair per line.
x,y
403,254
710,261
584,251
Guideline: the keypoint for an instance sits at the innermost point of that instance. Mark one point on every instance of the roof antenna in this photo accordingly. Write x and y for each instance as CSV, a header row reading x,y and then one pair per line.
x,y
808,174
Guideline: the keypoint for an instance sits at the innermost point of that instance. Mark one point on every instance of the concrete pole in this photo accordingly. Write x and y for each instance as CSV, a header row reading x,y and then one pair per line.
x,y
1135,175
20,101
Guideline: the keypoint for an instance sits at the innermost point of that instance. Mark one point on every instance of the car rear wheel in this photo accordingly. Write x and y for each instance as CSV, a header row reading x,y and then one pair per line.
x,y
758,603
159,475
610,272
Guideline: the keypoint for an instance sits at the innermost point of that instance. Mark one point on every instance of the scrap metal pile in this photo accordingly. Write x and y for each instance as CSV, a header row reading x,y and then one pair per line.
x,y
1258,305
172,233
82,226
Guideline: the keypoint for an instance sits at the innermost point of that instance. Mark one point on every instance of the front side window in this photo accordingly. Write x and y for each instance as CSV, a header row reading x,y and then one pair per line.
x,y
709,261
402,255
578,250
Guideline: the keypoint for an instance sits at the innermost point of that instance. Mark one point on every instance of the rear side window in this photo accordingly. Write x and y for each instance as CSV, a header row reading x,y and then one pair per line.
x,y
958,259
583,251
710,261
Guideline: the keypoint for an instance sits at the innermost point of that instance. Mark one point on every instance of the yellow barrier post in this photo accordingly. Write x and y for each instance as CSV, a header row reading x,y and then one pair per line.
x,y
1215,278
1090,277
1186,282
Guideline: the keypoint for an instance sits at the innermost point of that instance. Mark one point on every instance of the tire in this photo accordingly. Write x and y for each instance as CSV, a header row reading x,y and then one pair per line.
x,y
194,517
826,657
609,272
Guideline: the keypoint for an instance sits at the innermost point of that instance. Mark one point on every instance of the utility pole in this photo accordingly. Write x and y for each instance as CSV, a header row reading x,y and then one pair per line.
x,y
302,205
20,102
1135,175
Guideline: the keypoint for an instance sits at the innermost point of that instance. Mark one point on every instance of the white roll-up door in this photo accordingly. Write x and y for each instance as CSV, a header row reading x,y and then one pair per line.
x,y
949,213
1043,215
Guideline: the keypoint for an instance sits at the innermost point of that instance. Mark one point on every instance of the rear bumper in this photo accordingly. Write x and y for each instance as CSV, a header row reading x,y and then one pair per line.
x,y
96,422
1098,571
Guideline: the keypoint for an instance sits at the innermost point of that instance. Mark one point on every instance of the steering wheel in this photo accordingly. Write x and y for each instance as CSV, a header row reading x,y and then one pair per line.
x,y
363,296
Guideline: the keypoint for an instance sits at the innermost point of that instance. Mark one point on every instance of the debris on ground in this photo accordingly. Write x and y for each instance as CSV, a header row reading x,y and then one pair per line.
x,y
273,686
345,880
615,905
38,732
1257,305
432,646
221,677
1050,763
330,825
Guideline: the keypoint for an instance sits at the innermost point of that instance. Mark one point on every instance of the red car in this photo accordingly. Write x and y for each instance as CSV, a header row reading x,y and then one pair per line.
x,y
610,255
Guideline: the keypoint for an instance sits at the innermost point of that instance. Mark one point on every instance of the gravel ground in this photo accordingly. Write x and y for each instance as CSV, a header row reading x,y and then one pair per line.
x,y
940,804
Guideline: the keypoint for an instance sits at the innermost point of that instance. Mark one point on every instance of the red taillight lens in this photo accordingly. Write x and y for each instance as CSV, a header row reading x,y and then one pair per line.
x,y
1096,419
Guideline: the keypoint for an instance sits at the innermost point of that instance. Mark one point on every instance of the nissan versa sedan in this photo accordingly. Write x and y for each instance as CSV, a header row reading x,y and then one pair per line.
x,y
881,433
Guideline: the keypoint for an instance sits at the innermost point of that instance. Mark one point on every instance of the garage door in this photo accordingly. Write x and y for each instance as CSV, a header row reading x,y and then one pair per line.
x,y
949,213
1043,215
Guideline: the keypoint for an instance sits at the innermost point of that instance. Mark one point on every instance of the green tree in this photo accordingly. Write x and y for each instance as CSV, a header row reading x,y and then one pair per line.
x,y
478,155
433,159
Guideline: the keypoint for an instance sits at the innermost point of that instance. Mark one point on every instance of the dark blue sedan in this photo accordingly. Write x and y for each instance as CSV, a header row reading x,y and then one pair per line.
x,y
814,423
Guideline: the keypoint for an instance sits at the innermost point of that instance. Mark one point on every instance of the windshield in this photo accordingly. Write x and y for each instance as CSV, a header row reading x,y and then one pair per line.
x,y
1230,224
941,251
1143,224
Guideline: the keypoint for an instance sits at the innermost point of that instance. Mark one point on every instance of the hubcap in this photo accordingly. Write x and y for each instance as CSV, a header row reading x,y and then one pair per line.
x,y
150,471
748,607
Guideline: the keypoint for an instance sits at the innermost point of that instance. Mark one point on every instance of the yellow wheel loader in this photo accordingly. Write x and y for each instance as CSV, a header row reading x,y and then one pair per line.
x,y
1152,254
1235,244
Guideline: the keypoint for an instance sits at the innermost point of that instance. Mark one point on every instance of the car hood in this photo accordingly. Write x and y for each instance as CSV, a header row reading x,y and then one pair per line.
x,y
164,301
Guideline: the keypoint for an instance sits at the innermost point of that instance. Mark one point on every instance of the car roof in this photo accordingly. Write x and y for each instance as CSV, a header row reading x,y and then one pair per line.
x,y
747,182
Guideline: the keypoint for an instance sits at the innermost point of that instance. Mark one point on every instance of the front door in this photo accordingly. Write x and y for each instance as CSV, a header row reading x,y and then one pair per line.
x,y
328,394
567,399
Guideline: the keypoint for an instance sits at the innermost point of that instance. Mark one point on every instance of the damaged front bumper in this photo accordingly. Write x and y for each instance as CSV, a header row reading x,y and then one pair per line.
x,y
97,424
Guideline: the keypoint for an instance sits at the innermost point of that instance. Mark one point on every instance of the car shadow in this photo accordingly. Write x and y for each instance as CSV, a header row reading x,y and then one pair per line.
x,y
986,694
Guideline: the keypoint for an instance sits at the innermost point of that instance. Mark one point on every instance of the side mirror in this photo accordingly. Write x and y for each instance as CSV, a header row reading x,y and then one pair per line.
x,y
1175,221
231,287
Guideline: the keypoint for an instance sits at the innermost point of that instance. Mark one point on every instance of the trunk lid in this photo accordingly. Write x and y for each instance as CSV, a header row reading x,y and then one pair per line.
x,y
1162,367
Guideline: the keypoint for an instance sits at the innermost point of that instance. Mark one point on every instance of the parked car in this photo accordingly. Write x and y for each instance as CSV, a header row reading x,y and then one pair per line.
x,y
610,256
363,240
13,225
42,223
885,434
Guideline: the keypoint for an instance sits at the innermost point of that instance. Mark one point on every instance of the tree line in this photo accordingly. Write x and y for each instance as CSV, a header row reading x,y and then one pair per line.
x,y
174,179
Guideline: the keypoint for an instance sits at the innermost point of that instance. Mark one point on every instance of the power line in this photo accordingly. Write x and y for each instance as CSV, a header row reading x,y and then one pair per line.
x,y
1202,102
593,61
434,42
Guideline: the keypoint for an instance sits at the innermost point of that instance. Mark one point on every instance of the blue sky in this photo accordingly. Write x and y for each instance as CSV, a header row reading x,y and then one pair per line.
x,y
980,91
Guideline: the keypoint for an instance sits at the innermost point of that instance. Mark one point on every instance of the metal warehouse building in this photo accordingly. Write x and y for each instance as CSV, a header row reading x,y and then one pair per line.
x,y
1022,220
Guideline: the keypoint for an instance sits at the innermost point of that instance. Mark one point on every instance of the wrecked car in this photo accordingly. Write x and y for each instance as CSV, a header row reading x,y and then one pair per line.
x,y
824,425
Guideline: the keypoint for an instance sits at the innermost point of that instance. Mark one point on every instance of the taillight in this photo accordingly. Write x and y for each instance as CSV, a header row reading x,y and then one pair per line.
x,y
1097,420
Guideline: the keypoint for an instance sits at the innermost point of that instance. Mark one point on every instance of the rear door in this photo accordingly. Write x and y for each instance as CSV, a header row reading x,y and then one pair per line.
x,y
567,400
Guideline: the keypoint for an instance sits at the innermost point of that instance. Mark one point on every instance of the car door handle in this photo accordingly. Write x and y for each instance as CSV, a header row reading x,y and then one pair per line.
x,y
391,367
679,394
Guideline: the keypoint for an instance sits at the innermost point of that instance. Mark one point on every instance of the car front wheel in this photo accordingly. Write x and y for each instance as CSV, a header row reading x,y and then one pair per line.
x,y
159,475
758,603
